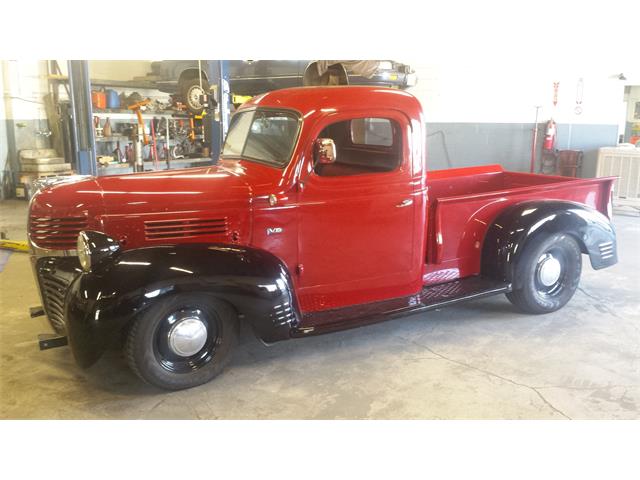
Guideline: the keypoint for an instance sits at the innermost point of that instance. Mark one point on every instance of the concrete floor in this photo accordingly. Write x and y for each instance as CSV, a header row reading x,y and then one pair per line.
x,y
477,361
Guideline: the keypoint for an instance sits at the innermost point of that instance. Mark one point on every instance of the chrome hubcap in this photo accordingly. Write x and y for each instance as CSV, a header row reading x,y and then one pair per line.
x,y
188,336
187,339
549,269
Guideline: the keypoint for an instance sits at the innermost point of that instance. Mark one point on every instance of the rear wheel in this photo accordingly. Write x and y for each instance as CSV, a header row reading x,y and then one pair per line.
x,y
182,341
547,274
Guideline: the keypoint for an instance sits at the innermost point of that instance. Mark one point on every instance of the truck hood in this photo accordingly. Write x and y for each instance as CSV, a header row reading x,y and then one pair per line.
x,y
175,206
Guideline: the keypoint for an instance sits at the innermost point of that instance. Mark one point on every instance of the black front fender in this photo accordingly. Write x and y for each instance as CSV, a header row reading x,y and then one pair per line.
x,y
520,224
101,303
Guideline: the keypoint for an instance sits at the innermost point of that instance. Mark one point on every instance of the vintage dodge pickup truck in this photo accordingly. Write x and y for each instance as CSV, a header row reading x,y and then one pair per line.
x,y
320,216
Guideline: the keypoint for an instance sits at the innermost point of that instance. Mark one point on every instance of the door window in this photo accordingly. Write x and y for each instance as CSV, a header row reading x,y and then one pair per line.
x,y
363,145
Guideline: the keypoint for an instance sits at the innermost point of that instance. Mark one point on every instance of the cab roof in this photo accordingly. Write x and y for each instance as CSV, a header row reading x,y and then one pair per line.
x,y
311,101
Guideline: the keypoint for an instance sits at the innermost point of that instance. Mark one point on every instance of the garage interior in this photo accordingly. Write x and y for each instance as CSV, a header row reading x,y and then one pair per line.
x,y
479,360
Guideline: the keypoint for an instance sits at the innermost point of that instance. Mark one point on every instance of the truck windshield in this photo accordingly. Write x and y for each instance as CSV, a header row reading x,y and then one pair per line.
x,y
266,136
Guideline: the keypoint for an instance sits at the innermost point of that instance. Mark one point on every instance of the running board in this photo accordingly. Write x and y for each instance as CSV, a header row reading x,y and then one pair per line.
x,y
430,298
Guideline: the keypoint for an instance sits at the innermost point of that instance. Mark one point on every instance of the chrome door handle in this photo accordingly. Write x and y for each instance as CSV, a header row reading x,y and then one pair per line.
x,y
405,203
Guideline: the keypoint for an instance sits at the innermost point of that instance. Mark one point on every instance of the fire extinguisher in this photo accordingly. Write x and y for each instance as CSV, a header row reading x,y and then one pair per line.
x,y
549,135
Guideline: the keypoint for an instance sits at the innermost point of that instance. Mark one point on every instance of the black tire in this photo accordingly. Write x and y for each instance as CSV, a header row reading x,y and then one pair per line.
x,y
190,91
149,351
537,293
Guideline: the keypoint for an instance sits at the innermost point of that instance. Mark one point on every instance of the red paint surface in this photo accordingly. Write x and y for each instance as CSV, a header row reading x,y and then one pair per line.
x,y
354,243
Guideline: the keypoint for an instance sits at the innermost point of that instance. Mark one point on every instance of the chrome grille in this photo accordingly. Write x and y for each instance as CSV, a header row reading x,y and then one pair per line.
x,y
185,228
56,233
54,289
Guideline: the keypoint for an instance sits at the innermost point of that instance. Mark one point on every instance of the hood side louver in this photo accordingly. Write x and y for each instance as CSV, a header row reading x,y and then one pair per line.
x,y
56,233
185,228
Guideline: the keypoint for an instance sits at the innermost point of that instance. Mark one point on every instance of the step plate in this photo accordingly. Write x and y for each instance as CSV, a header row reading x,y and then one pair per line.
x,y
430,298
436,296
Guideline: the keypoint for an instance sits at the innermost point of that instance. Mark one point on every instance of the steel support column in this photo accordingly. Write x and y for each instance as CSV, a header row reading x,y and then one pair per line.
x,y
80,95
218,74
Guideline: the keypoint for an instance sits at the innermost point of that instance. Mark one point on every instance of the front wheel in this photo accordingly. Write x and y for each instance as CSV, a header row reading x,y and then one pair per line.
x,y
547,274
182,341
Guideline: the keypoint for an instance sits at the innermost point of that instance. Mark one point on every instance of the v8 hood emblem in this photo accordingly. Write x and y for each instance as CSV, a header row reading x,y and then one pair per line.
x,y
274,230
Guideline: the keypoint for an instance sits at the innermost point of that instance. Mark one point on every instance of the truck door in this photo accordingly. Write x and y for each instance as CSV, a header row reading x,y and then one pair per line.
x,y
357,215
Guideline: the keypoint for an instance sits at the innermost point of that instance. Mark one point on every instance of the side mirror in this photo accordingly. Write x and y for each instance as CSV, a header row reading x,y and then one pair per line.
x,y
325,151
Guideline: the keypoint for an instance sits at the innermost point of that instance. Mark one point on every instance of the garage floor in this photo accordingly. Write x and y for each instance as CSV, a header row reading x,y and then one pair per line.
x,y
480,360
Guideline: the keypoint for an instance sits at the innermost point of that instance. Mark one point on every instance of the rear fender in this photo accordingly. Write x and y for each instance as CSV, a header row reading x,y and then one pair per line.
x,y
101,303
522,223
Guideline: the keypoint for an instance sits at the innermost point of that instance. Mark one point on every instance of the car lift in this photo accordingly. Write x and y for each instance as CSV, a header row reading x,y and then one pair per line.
x,y
84,147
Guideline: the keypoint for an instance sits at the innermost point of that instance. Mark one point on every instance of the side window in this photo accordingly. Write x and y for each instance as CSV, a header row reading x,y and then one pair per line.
x,y
372,131
363,146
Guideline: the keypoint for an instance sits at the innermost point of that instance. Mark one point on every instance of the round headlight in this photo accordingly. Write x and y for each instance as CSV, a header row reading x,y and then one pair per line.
x,y
84,253
94,247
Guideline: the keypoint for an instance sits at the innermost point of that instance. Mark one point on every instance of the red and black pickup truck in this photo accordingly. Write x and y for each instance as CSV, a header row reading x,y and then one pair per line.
x,y
320,216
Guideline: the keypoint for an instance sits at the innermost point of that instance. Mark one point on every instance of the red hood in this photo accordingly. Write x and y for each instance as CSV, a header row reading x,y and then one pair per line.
x,y
192,201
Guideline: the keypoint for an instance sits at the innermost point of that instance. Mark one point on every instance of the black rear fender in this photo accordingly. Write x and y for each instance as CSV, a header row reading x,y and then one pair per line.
x,y
520,224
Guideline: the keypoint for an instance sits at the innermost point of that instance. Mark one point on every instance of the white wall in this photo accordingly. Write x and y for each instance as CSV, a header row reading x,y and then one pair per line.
x,y
113,69
508,93
22,112
24,85
118,70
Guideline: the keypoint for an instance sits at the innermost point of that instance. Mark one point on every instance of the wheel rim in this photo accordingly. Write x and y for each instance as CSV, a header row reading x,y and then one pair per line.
x,y
187,339
550,272
193,97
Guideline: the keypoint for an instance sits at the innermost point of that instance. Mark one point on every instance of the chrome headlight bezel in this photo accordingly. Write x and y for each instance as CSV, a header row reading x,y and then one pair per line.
x,y
94,248
84,253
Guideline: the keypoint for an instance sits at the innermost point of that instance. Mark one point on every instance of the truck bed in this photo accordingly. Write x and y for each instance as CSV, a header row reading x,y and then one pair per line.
x,y
464,201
